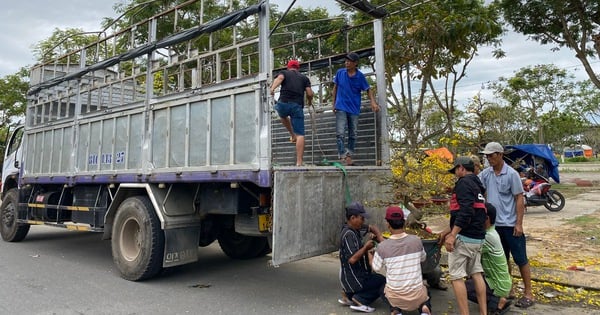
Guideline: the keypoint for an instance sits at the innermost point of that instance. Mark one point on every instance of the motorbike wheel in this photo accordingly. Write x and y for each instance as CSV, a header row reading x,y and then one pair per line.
x,y
555,201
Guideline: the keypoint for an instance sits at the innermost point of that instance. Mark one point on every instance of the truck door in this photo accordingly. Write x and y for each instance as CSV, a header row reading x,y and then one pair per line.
x,y
12,159
309,207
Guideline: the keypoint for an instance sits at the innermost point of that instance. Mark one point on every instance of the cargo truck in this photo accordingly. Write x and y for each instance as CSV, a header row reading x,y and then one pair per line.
x,y
164,142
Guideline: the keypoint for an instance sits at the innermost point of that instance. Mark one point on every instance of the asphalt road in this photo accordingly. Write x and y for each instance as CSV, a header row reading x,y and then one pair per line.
x,y
55,271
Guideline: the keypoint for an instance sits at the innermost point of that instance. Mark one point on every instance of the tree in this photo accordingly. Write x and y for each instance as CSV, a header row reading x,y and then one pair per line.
x,y
487,121
574,24
586,102
429,44
562,128
61,42
535,90
13,92
432,44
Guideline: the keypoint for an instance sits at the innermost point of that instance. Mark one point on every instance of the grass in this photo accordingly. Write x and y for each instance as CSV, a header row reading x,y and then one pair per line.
x,y
590,226
579,160
571,190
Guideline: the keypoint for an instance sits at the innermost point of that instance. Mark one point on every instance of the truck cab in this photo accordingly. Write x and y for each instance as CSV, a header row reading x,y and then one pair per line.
x,y
12,159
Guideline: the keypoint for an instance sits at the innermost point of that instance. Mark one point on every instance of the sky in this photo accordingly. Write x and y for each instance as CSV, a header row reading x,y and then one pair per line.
x,y
25,23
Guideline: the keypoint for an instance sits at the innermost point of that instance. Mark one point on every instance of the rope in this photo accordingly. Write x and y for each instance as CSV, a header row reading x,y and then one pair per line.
x,y
315,134
324,162
341,167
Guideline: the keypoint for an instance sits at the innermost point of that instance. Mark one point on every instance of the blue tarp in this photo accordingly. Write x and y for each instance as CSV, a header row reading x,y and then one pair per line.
x,y
528,153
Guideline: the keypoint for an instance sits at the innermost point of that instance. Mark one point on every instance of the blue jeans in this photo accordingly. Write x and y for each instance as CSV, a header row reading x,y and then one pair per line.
x,y
296,114
345,121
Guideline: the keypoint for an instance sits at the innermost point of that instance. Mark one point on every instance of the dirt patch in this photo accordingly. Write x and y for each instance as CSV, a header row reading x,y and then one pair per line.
x,y
574,244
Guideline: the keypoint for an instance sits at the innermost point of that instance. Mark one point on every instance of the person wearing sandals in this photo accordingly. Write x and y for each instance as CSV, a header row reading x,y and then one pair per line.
x,y
360,285
401,256
349,82
498,281
505,192
291,101
464,236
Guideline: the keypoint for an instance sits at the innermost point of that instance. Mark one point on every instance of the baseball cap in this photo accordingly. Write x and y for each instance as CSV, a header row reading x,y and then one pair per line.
x,y
394,213
352,56
492,147
293,64
462,160
356,208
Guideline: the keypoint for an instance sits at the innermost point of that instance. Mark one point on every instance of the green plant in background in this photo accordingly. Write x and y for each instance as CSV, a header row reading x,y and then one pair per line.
x,y
588,226
577,159
420,177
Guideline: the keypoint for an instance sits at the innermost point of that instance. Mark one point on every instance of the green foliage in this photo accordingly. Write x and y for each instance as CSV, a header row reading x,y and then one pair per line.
x,y
562,128
577,159
13,91
61,42
535,90
589,225
586,102
567,23
433,42
301,24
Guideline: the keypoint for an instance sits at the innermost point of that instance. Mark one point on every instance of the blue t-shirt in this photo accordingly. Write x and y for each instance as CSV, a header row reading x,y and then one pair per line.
x,y
349,89
501,191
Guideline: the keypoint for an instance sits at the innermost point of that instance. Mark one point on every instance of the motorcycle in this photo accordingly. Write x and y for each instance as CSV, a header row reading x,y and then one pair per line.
x,y
538,192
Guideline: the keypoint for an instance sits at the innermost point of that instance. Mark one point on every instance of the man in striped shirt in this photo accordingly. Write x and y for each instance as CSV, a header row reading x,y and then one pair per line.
x,y
401,256
360,285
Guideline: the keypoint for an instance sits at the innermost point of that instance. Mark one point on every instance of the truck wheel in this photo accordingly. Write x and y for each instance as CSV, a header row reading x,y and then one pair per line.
x,y
238,246
9,228
137,241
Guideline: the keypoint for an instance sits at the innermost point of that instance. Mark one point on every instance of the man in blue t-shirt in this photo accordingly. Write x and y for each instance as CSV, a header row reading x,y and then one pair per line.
x,y
349,82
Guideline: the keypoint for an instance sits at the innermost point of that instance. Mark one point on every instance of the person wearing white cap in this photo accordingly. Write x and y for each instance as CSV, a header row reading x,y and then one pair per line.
x,y
349,82
505,192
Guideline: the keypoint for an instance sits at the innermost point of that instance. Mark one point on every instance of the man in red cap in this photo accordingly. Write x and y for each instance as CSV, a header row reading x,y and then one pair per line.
x,y
291,101
401,255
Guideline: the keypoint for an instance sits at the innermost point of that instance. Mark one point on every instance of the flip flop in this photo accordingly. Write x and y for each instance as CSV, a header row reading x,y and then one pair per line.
x,y
524,302
503,310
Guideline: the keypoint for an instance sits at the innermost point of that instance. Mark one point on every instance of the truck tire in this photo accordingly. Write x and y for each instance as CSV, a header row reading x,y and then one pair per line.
x,y
238,246
10,230
137,240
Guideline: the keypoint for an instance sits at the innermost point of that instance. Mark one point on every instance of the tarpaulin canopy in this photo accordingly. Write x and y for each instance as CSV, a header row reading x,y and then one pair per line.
x,y
182,36
531,154
441,152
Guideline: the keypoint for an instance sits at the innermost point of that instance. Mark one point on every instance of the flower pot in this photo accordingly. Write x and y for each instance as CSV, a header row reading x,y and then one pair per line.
x,y
440,200
421,203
